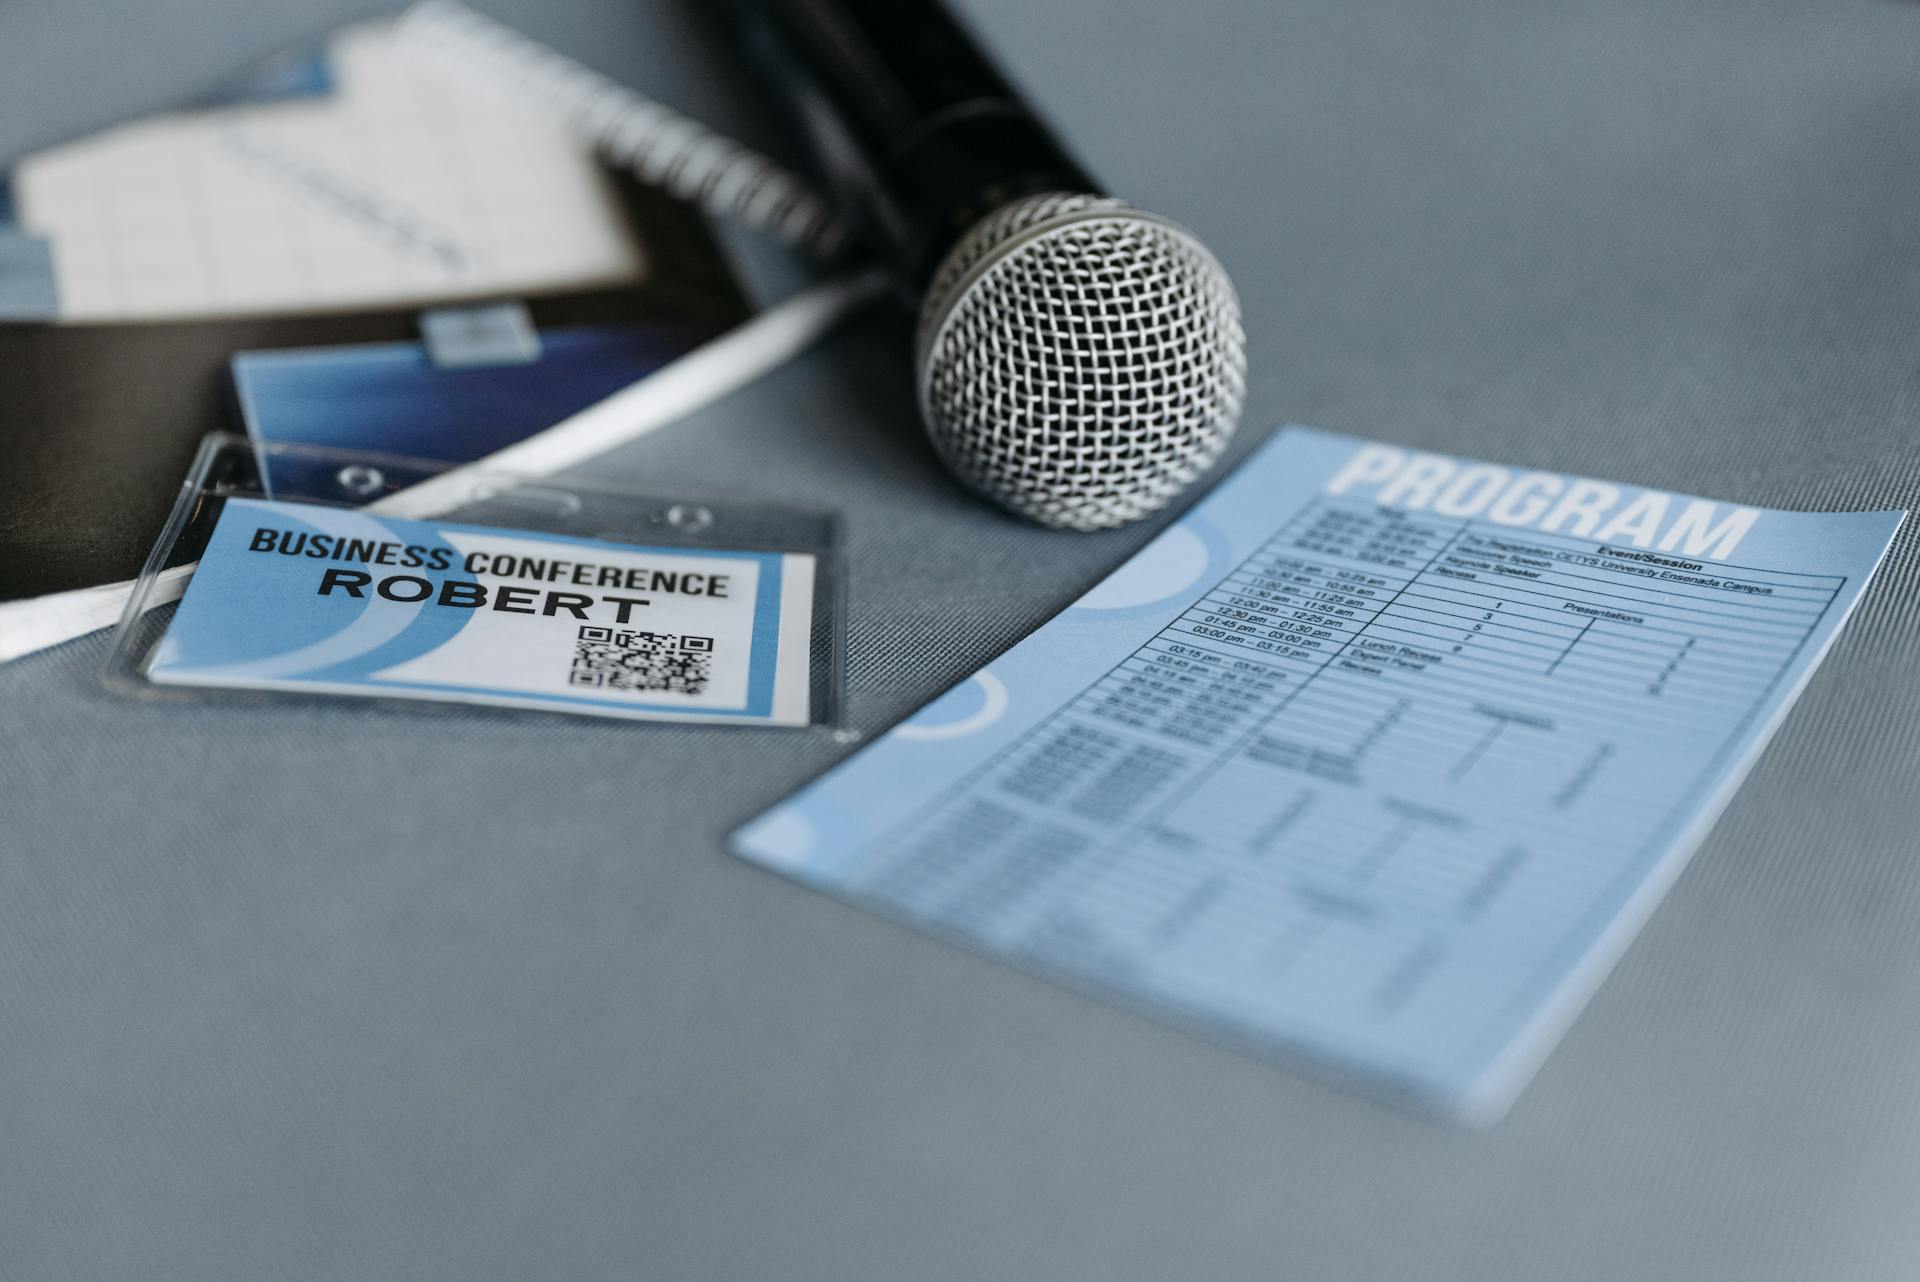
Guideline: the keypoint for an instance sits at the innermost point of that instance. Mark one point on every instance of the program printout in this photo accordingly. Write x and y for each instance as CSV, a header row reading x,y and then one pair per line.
x,y
1376,759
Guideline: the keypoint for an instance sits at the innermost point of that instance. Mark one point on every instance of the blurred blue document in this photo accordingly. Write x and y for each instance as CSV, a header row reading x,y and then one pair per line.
x,y
391,398
1377,759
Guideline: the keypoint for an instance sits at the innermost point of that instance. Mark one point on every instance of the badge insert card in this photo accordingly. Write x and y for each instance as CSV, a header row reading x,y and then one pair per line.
x,y
544,595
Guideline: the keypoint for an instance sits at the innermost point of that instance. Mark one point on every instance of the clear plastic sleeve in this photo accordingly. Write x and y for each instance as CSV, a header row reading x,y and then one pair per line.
x,y
592,530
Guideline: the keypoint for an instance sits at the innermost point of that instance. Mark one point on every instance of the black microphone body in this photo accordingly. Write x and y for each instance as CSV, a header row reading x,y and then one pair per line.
x,y
1078,361
919,133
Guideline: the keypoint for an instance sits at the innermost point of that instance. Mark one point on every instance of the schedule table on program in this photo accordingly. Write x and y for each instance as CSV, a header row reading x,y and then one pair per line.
x,y
1387,789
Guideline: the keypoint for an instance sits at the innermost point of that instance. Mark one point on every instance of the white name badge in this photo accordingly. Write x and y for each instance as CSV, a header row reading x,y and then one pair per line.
x,y
297,596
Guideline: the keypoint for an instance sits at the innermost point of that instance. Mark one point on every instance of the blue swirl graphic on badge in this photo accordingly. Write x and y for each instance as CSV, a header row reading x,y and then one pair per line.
x,y
277,642
268,570
421,632
383,631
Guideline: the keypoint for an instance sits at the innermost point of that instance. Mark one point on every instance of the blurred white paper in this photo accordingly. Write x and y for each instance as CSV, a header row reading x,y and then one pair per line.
x,y
405,184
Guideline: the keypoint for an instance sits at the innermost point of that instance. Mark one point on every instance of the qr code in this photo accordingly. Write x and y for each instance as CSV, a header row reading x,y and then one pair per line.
x,y
610,659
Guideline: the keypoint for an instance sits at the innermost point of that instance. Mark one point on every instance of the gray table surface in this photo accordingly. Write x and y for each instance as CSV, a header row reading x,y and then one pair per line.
x,y
345,994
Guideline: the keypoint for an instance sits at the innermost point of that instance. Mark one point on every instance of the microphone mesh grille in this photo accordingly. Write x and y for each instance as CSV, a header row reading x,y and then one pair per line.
x,y
1081,362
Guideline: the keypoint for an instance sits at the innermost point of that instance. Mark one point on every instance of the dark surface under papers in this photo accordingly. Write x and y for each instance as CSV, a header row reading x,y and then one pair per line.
x,y
102,420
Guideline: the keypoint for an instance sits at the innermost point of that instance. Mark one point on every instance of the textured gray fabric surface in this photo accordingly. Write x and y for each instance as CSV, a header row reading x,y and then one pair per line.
x,y
346,994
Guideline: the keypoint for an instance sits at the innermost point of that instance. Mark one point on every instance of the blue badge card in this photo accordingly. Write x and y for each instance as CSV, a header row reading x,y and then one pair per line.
x,y
394,398
304,597
1377,759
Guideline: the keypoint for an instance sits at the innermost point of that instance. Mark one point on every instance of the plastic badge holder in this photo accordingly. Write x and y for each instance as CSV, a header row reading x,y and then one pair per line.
x,y
258,609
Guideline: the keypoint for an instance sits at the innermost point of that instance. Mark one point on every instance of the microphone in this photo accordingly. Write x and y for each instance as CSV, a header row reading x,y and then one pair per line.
x,y
1079,361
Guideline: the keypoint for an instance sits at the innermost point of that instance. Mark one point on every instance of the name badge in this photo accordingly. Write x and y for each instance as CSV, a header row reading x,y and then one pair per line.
x,y
296,596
